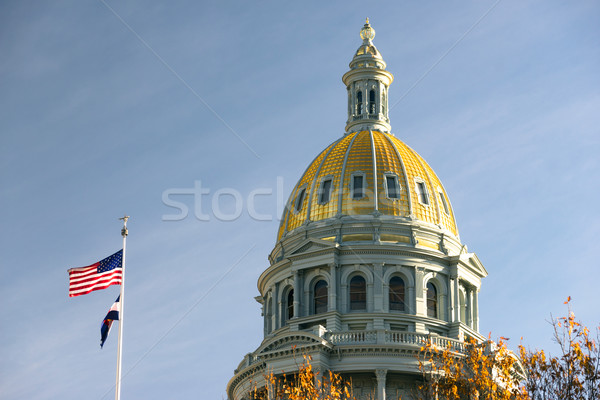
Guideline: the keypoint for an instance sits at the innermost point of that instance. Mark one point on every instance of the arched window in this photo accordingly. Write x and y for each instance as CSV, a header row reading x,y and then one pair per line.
x,y
358,293
372,102
431,301
320,297
289,305
396,294
359,102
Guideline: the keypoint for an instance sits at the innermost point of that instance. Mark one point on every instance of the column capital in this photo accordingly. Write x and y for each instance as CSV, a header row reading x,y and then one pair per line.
x,y
381,373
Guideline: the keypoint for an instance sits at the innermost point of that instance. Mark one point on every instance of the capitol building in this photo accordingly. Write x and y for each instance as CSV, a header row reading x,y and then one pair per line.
x,y
368,263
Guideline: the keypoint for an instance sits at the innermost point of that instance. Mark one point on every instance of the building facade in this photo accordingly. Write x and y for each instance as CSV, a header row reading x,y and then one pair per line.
x,y
368,263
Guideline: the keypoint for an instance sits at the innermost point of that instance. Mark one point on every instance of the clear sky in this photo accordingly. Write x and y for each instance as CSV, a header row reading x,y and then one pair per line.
x,y
107,107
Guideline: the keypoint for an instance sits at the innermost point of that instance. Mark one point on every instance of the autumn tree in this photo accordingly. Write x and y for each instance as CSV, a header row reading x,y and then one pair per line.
x,y
486,370
306,384
479,370
572,375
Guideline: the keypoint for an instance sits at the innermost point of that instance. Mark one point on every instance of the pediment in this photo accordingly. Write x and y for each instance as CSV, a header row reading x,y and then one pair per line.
x,y
474,264
309,245
291,341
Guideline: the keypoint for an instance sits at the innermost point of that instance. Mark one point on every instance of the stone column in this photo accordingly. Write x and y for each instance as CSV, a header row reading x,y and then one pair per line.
x,y
470,302
381,377
476,309
420,299
456,300
276,307
264,314
378,290
420,294
297,294
333,287
450,304
443,299
378,287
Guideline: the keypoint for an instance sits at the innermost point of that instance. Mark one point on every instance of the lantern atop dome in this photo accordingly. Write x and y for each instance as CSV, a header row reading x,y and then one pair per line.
x,y
367,83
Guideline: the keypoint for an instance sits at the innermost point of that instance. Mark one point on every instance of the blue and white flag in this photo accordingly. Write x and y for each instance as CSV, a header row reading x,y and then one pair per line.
x,y
113,314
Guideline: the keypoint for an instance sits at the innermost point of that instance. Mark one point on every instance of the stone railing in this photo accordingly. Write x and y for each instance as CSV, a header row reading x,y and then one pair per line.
x,y
376,337
352,337
392,337
248,360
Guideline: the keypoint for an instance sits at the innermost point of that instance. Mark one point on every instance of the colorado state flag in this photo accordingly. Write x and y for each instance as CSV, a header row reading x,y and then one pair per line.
x,y
113,314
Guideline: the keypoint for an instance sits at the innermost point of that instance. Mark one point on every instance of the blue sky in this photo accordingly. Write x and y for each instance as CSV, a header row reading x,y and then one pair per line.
x,y
102,111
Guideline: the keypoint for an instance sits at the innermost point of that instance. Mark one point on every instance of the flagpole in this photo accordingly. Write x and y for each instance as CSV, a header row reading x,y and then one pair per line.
x,y
121,307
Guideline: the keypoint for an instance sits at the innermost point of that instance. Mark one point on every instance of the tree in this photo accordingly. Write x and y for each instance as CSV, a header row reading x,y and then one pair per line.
x,y
306,384
480,370
485,370
575,373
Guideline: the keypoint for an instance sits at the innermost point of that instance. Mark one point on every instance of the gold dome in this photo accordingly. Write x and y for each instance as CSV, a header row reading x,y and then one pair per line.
x,y
406,186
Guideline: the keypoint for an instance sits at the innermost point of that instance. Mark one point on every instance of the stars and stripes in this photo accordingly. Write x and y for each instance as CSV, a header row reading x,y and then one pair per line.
x,y
97,276
112,315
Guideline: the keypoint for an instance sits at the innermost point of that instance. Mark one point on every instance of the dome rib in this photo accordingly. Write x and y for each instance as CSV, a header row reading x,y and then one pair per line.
x,y
312,192
375,188
283,229
433,191
445,219
410,208
388,162
343,175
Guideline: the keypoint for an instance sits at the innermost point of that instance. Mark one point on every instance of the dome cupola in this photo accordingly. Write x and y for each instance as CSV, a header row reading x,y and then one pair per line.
x,y
367,83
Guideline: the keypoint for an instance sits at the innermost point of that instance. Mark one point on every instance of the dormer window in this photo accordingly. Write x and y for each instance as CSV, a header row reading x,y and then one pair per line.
x,y
444,202
300,200
325,191
358,187
359,102
422,193
392,187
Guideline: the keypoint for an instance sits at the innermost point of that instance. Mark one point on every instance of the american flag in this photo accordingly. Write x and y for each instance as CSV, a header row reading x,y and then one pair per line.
x,y
96,276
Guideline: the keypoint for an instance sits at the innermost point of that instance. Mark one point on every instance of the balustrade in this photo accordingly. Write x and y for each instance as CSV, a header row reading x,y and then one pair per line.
x,y
393,337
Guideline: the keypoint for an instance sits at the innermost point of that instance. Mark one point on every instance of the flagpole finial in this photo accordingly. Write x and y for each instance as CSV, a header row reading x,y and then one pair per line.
x,y
124,231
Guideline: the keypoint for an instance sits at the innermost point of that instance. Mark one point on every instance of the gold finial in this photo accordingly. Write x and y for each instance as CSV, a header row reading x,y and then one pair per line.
x,y
367,33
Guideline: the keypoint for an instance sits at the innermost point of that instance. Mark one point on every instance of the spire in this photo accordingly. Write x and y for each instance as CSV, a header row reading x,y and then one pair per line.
x,y
367,83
